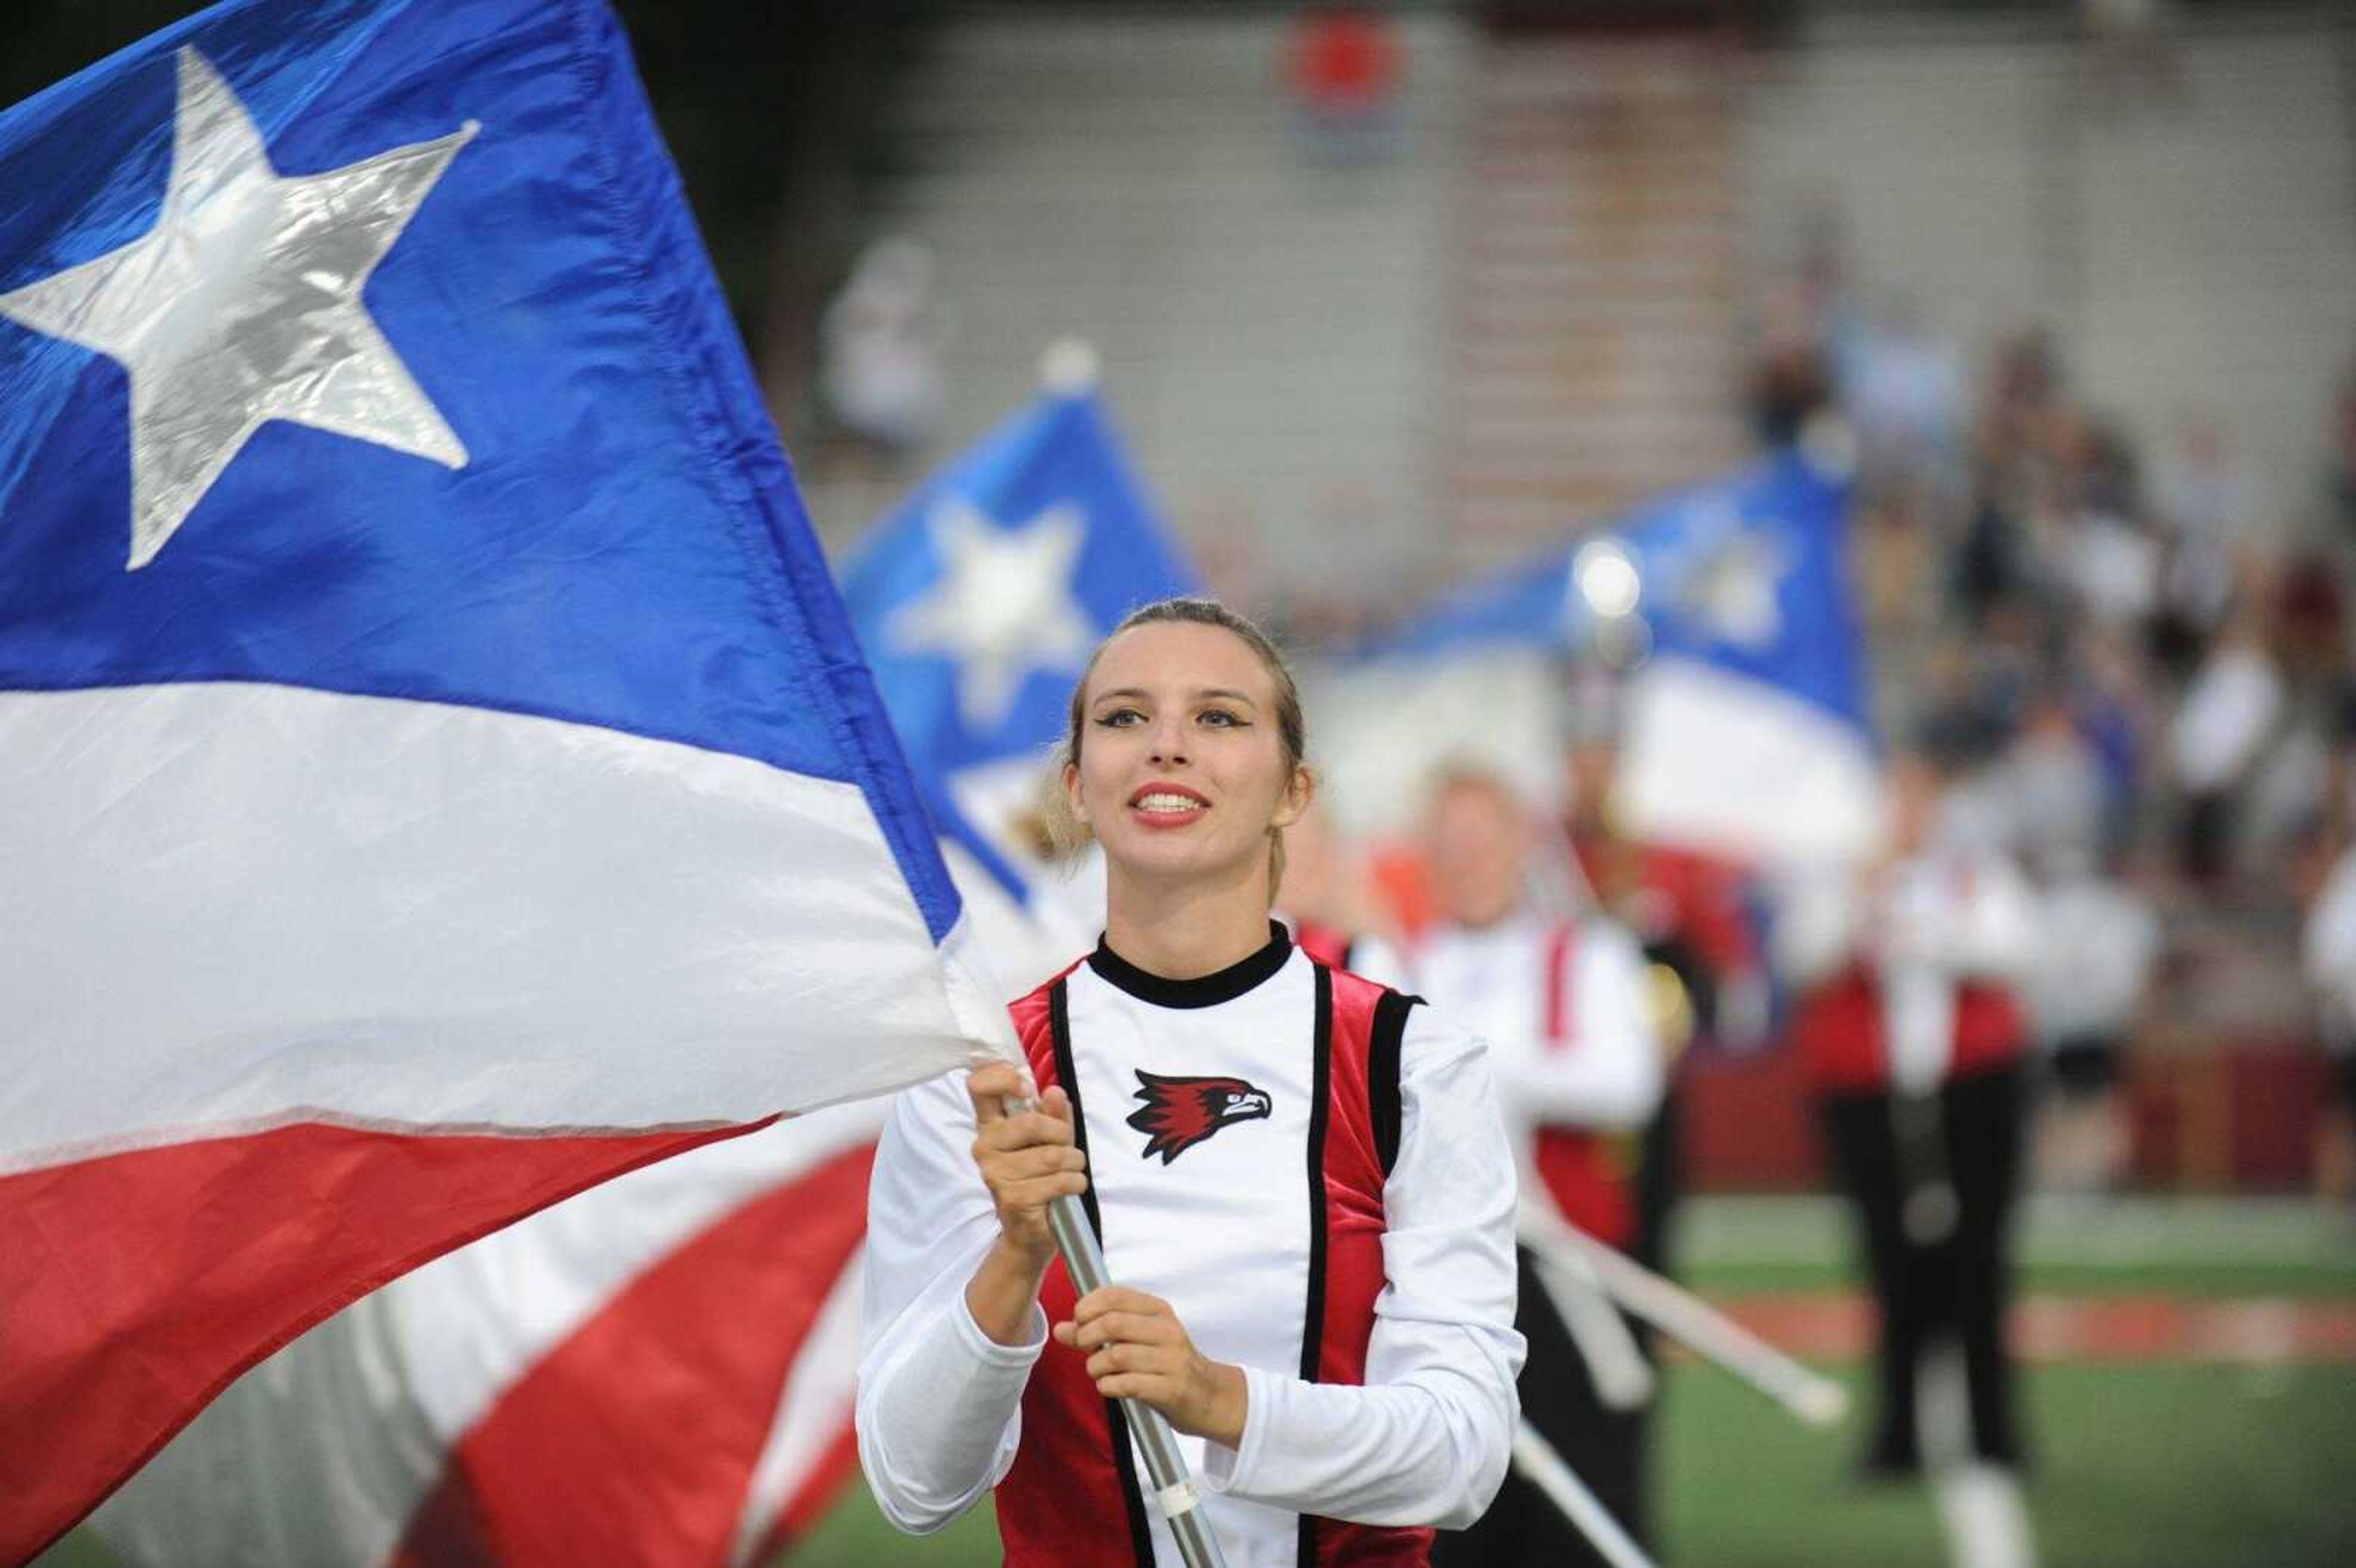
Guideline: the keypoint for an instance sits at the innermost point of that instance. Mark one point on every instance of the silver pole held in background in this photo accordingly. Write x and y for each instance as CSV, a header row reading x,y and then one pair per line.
x,y
1537,1463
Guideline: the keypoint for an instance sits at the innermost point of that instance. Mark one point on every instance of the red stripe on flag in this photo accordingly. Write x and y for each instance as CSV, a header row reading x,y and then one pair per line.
x,y
635,1440
813,1499
135,1286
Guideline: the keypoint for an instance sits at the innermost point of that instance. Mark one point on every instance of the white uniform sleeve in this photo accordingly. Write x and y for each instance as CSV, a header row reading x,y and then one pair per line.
x,y
2329,947
1426,1440
1819,923
939,1409
1987,928
1609,1074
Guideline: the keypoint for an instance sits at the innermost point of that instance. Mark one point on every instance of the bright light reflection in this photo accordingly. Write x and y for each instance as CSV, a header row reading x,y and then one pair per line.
x,y
1607,578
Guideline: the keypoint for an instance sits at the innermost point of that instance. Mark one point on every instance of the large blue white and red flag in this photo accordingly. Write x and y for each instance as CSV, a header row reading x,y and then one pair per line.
x,y
436,773
657,1373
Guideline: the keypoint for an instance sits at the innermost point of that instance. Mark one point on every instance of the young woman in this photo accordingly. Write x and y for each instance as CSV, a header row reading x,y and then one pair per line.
x,y
1299,1180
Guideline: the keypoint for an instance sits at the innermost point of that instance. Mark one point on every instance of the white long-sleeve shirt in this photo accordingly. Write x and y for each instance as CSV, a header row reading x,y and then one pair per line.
x,y
1926,925
1606,1074
1424,1440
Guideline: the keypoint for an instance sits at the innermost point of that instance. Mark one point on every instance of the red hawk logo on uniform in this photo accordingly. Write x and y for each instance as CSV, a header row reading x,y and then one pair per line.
x,y
1180,1112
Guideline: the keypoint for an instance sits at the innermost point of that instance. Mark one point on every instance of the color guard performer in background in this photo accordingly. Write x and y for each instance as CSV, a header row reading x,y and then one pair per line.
x,y
1911,1036
1562,1002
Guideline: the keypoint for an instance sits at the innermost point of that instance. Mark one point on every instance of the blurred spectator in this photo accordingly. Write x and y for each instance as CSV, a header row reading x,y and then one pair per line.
x,y
2094,960
880,348
2202,500
2339,476
2226,719
1344,66
2051,787
2329,955
1905,389
2112,563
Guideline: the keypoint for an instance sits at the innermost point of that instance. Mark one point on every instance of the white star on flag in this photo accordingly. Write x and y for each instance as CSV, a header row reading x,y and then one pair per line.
x,y
1733,588
242,304
1004,607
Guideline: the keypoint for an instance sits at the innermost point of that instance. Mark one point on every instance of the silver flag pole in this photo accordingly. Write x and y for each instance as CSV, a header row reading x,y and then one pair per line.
x,y
1173,1489
1174,1492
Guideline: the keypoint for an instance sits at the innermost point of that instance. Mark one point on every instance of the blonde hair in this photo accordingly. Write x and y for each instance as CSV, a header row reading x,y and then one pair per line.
x,y
1071,833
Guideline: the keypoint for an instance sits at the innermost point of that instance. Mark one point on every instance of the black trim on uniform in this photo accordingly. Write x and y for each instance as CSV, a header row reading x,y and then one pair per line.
x,y
1383,1073
1205,991
1124,1457
1312,1322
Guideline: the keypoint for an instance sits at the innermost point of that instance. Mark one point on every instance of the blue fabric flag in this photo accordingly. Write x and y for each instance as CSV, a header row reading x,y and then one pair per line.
x,y
577,508
438,773
1746,730
1746,575
980,599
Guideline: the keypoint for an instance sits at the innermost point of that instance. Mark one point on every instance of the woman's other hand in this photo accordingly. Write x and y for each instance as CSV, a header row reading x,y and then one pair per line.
x,y
1138,1349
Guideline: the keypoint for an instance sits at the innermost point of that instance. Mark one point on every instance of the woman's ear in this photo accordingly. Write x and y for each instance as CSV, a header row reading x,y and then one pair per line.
x,y
1297,794
1072,794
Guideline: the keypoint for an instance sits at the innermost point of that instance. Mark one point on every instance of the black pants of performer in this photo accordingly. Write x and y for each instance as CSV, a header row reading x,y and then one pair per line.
x,y
1602,1446
2085,1066
1959,1284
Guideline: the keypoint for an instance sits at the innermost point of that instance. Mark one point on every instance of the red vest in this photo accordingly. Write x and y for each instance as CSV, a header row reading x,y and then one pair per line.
x,y
1073,1495
1838,1028
1329,944
1583,1172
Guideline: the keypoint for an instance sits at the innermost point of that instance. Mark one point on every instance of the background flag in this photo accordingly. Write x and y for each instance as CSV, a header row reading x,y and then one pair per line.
x,y
1747,730
979,602
435,772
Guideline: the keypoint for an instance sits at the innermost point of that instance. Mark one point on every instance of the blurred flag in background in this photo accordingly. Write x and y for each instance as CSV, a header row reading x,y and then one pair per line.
x,y
1745,731
979,602
981,597
437,773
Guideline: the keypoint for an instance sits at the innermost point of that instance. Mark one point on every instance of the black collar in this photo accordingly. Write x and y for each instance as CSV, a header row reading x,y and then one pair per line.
x,y
1207,991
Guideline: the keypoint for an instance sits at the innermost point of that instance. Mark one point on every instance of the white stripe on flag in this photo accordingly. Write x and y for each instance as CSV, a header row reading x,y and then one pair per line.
x,y
1734,766
237,905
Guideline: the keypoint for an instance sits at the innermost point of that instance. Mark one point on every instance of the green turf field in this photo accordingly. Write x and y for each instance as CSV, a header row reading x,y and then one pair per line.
x,y
2154,1465
2200,1467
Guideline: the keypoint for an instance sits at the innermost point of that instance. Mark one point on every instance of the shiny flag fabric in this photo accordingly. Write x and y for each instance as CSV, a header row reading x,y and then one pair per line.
x,y
437,773
659,1372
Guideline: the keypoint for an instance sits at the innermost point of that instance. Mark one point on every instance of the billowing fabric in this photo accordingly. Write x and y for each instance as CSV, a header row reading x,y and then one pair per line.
x,y
659,1371
1040,538
436,771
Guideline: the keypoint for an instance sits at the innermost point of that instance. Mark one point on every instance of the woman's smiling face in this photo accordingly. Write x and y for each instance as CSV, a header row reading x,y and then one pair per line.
x,y
1182,769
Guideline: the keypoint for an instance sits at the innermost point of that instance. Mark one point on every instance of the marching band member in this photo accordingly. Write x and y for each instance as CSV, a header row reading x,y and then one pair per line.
x,y
1563,1005
1298,1176
1327,902
1911,1033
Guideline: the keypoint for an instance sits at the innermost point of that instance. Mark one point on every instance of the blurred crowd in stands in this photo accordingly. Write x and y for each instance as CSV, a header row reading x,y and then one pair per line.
x,y
2134,688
